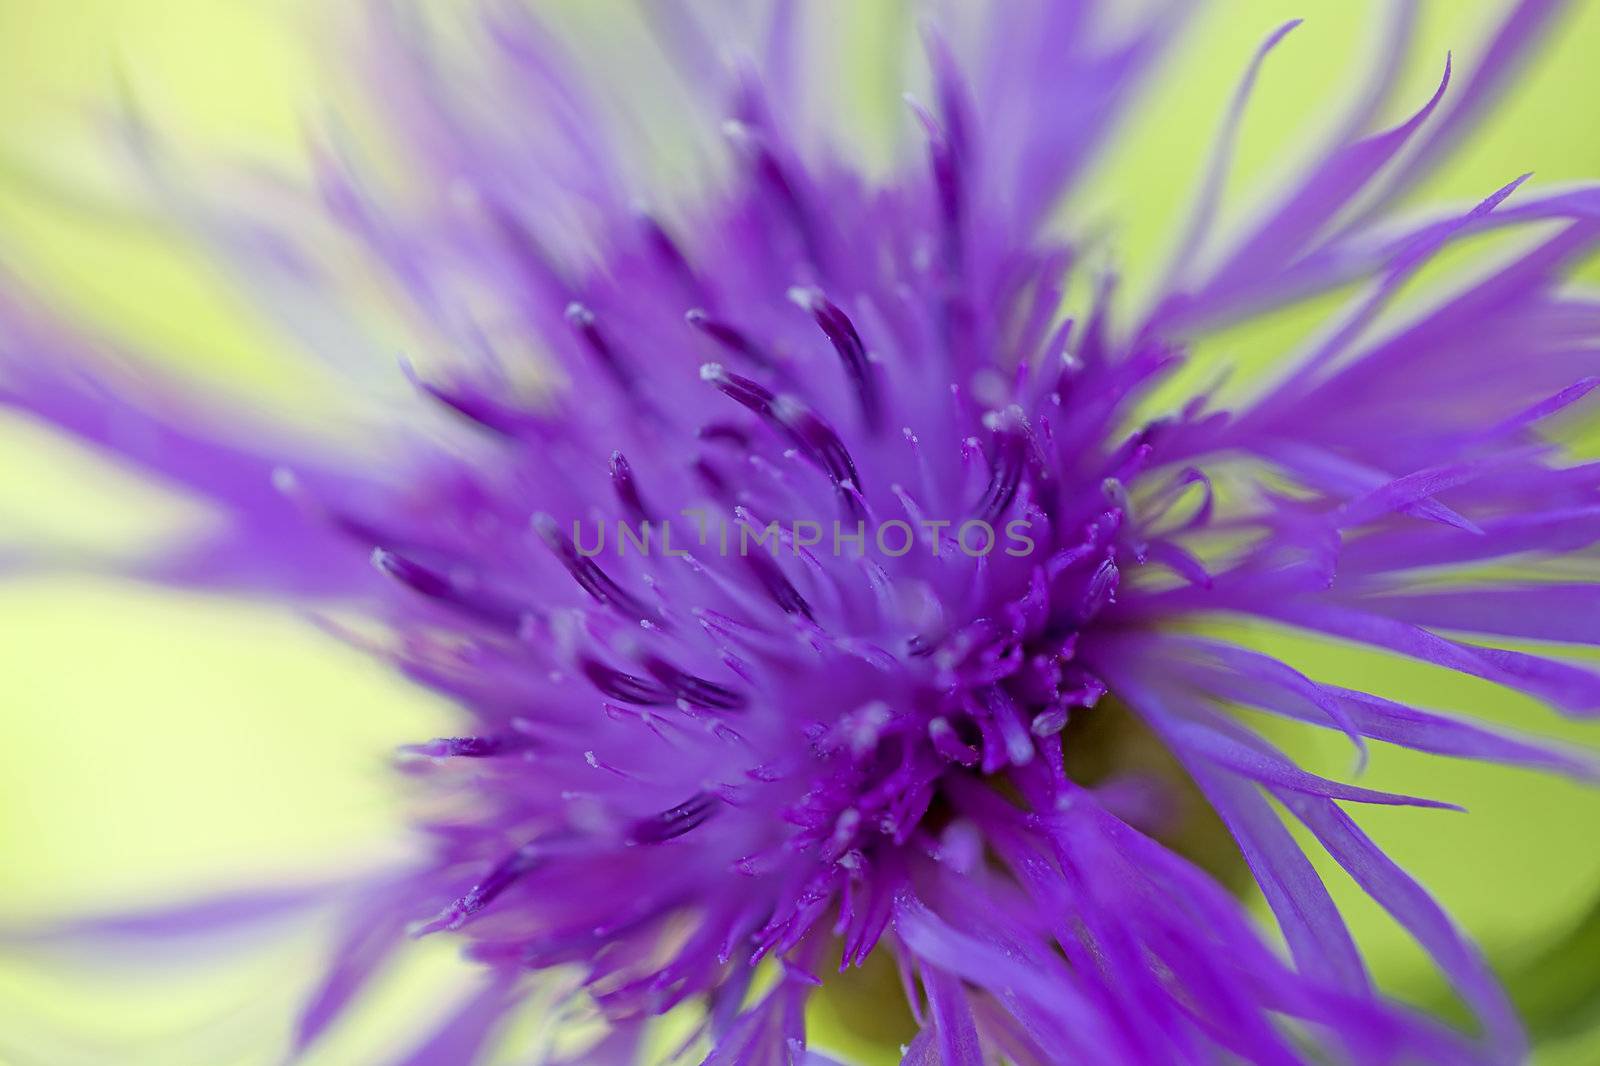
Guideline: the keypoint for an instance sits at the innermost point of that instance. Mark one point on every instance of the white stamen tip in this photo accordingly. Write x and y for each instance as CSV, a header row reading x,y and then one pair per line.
x,y
805,297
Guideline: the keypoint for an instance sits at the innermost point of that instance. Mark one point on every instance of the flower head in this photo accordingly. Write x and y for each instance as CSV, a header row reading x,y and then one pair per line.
x,y
782,601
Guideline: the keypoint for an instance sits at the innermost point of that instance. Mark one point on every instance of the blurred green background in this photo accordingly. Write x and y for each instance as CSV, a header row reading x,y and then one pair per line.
x,y
158,745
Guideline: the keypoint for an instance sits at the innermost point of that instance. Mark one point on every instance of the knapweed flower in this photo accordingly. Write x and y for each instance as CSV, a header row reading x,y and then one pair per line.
x,y
791,546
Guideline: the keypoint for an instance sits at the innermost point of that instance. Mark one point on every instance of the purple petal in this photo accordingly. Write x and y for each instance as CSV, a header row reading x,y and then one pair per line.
x,y
1413,908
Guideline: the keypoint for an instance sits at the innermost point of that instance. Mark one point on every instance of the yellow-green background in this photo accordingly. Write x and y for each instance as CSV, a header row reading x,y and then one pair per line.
x,y
157,744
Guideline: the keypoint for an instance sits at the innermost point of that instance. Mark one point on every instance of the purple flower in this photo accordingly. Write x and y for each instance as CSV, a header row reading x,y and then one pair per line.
x,y
790,550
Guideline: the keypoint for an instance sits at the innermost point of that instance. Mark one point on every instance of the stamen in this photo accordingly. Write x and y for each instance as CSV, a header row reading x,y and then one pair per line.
x,y
670,254
468,747
841,332
473,406
627,488
950,92
770,171
496,881
588,574
429,582
673,822
525,250
948,744
813,436
625,688
946,172
818,440
723,431
1049,723
742,390
1101,590
729,337
712,478
696,691
1005,477
582,321
778,586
